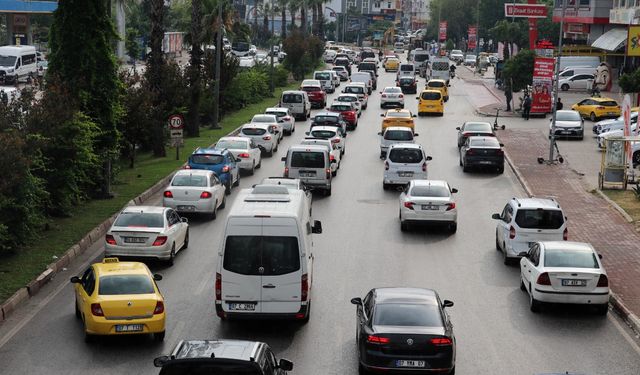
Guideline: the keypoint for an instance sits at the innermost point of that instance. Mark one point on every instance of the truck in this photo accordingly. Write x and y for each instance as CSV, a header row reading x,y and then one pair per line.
x,y
420,59
439,68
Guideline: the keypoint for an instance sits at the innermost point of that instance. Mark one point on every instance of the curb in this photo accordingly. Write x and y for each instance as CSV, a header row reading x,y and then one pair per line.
x,y
613,204
616,302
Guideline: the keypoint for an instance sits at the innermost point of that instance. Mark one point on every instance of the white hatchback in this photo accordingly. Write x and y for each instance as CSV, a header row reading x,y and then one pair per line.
x,y
285,118
271,120
393,135
404,162
564,272
244,150
263,135
195,191
331,133
428,201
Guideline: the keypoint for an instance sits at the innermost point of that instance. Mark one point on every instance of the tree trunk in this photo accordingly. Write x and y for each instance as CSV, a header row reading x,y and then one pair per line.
x,y
314,19
283,28
293,19
321,20
265,26
155,68
303,20
195,65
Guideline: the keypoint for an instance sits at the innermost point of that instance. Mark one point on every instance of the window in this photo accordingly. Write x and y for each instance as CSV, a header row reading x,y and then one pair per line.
x,y
88,281
232,144
475,127
398,135
351,4
307,160
206,159
261,255
253,131
406,156
570,258
7,60
365,6
139,219
507,213
534,255
539,218
430,191
28,59
368,304
431,95
189,180
408,315
292,98
125,284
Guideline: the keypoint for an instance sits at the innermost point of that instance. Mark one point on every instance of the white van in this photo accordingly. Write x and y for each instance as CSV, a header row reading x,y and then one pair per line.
x,y
311,164
326,80
581,61
398,47
364,78
571,71
298,103
17,62
265,264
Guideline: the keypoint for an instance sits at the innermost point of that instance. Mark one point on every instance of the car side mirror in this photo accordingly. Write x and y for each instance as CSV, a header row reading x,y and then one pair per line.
x,y
356,301
379,133
496,217
429,158
417,97
458,128
449,85
284,158
285,364
523,254
161,361
75,280
382,115
501,144
600,256
416,134
317,227
328,109
307,133
447,303
343,91
157,277
414,116
184,220
454,190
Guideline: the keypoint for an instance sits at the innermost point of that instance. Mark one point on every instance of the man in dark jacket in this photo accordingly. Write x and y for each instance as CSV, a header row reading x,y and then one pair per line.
x,y
526,106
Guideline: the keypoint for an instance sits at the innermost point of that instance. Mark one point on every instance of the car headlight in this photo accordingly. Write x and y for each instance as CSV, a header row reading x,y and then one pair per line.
x,y
10,70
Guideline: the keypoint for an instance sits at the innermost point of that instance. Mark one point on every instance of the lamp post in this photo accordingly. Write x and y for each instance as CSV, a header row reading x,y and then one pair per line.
x,y
273,11
552,138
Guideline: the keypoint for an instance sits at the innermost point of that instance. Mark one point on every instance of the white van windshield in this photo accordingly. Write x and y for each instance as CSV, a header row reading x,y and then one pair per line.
x,y
292,98
305,159
261,255
7,60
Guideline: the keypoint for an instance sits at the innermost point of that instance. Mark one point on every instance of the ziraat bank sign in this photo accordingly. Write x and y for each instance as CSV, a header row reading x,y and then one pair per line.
x,y
525,10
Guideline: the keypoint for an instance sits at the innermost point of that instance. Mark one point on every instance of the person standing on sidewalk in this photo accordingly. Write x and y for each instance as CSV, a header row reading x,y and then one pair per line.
x,y
559,105
526,106
508,95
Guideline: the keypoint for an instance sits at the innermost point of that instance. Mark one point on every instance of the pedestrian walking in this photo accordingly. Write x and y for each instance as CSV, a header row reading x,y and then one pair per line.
x,y
509,96
526,107
559,105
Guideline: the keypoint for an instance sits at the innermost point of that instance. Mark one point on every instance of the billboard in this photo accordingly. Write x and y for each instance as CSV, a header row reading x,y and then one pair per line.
x,y
442,31
633,41
541,99
525,10
473,37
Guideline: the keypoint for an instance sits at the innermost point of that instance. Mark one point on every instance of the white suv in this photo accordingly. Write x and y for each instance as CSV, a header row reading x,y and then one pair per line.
x,y
404,162
263,135
524,221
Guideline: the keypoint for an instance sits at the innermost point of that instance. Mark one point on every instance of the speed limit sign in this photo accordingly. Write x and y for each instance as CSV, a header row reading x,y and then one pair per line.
x,y
176,122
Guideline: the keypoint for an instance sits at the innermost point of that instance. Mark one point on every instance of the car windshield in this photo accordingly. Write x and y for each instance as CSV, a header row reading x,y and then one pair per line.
x,y
204,368
253,131
477,127
139,219
435,84
392,90
232,144
430,95
399,114
189,180
323,76
341,108
539,218
206,159
292,98
307,159
401,314
125,284
429,191
570,258
7,60
325,134
567,116
262,118
398,135
261,255
406,155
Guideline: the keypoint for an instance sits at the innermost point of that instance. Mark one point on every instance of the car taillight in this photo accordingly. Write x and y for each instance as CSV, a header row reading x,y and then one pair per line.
x,y
328,173
332,158
603,281
543,279
218,286
409,205
384,95
159,308
225,169
243,155
168,194
160,240
386,166
424,166
286,172
286,118
335,140
450,206
96,309
205,195
371,339
441,341
304,288
499,152
267,137
401,96
512,232
109,239
187,167
565,234
466,135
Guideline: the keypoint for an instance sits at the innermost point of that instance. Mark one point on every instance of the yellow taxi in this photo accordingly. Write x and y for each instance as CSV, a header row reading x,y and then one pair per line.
x,y
119,298
597,108
440,85
391,64
398,117
430,101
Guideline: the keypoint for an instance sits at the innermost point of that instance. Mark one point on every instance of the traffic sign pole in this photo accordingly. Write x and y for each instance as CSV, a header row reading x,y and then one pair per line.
x,y
176,129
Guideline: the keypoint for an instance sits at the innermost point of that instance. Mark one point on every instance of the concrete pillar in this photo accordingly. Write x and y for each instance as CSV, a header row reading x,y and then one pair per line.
x,y
121,29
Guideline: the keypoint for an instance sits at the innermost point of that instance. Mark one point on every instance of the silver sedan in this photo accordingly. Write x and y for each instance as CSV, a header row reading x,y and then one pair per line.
x,y
246,152
195,191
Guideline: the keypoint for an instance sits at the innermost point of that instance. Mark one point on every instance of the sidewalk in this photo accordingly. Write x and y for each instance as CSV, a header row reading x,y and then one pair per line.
x,y
489,97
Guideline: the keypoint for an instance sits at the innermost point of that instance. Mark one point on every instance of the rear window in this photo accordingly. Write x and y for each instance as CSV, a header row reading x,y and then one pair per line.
x,y
413,315
539,218
406,81
323,76
406,68
253,131
484,142
435,84
273,255
332,119
140,219
608,103
440,66
570,258
392,90
409,155
567,116
398,135
184,180
325,134
430,191
367,66
262,118
430,96
307,159
367,54
206,159
347,99
311,89
398,114
235,144
203,368
292,98
341,108
475,127
125,284
354,90
423,57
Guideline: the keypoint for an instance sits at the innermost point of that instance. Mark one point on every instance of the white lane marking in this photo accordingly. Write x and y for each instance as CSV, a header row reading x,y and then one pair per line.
x,y
176,332
624,333
202,286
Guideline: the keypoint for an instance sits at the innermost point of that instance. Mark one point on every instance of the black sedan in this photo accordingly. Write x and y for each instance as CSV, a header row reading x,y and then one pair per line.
x,y
482,152
404,330
473,128
408,84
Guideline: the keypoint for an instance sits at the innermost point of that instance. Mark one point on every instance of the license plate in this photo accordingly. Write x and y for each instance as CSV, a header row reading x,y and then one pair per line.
x,y
307,174
186,208
612,113
405,174
573,282
135,239
242,306
429,207
408,363
128,327
484,162
565,132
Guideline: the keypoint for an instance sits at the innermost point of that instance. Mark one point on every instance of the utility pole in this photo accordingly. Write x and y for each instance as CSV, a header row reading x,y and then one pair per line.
x,y
216,85
552,138
478,36
273,36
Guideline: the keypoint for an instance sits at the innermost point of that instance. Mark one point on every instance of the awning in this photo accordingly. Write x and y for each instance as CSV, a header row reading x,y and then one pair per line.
x,y
24,6
612,40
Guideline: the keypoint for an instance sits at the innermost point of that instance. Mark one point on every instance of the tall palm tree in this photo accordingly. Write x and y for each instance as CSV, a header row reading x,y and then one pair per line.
x,y
314,15
303,16
320,20
294,5
283,14
195,65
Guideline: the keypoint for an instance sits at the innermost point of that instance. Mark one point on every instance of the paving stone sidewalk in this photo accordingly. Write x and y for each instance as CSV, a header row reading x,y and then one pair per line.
x,y
590,218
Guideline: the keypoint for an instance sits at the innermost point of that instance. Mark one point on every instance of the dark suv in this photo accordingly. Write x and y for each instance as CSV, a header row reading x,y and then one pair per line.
x,y
200,357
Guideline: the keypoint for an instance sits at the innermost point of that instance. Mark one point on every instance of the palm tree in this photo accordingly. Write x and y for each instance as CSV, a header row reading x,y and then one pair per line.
x,y
195,65
283,14
294,5
320,20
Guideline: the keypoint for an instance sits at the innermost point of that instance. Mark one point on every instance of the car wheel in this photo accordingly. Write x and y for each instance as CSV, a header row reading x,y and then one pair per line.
x,y
237,183
327,192
500,170
259,164
522,286
564,87
305,320
89,338
227,188
224,202
602,309
270,153
534,304
186,241
460,161
453,371
253,169
172,255
214,214
78,315
505,259
593,117
362,370
465,168
636,158
275,148
334,173
158,336
497,243
293,129
453,227
385,186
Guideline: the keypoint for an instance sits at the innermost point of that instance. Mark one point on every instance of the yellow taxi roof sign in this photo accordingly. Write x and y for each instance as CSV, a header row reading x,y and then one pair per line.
x,y
110,260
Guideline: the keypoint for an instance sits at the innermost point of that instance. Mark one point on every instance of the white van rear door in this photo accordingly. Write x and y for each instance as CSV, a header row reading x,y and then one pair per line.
x,y
282,259
241,274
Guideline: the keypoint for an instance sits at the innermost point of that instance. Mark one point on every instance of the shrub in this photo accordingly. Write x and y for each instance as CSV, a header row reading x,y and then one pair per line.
x,y
249,86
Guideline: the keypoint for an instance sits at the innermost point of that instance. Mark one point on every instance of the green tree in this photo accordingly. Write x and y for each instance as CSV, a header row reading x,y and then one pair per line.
x,y
82,61
459,14
155,76
509,32
520,69
131,43
195,69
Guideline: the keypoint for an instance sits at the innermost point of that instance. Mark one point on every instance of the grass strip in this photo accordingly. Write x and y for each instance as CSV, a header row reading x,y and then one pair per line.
x,y
627,200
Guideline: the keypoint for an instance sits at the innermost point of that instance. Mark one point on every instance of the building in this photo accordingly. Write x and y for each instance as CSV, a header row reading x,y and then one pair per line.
x,y
584,20
17,15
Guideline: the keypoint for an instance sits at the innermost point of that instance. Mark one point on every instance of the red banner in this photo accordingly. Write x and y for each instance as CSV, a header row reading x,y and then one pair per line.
x,y
473,37
541,97
525,10
442,31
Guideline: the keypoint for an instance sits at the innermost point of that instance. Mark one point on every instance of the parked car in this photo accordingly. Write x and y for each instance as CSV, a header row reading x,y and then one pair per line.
x,y
482,152
222,162
597,108
428,201
195,191
576,82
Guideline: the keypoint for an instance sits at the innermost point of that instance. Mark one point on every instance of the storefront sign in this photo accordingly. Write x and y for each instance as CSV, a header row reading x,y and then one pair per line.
x,y
525,10
542,81
473,36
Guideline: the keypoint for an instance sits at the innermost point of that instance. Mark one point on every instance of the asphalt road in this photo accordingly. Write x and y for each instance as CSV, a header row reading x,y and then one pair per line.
x,y
362,247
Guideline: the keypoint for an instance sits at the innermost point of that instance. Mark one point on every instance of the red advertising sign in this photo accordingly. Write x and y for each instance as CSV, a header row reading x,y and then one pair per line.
x,y
473,37
525,10
541,95
442,31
